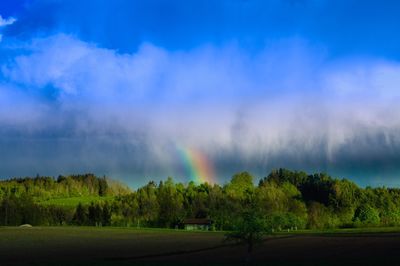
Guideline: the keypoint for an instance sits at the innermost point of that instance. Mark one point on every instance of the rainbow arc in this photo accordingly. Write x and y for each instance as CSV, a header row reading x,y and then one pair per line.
x,y
197,165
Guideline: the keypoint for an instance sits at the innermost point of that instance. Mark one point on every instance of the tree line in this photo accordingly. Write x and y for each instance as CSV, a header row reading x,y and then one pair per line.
x,y
283,200
44,187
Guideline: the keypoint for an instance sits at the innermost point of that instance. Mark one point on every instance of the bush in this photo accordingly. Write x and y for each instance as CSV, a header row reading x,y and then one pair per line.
x,y
391,218
366,215
321,217
283,221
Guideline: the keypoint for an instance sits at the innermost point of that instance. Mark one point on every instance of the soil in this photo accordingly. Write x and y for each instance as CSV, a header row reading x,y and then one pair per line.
x,y
324,249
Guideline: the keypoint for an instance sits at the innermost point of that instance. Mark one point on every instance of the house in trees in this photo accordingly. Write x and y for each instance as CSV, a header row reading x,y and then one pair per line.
x,y
197,224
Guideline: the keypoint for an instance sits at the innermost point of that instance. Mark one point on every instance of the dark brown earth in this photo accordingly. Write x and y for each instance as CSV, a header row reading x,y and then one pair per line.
x,y
72,246
371,249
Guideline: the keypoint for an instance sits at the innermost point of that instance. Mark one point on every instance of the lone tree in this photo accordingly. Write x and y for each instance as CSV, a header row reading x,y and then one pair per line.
x,y
250,228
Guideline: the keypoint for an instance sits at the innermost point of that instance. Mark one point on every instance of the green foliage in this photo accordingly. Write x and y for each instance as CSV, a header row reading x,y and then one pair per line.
x,y
22,210
240,184
80,216
366,215
48,188
103,187
272,197
170,200
220,209
283,175
250,227
148,203
106,215
284,200
390,218
279,221
320,217
72,202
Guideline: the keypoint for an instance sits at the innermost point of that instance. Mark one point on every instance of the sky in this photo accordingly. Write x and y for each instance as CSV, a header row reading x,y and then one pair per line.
x,y
142,90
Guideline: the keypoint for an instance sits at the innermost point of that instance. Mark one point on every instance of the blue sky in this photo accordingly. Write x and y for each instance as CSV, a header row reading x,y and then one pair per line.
x,y
114,87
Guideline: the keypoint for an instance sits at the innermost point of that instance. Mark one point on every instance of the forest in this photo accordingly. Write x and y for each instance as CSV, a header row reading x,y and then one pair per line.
x,y
283,200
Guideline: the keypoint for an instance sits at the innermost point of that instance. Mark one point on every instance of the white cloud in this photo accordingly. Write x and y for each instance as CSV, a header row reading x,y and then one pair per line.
x,y
6,21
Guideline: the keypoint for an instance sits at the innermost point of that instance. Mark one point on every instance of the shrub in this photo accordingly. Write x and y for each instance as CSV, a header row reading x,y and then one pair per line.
x,y
321,217
366,215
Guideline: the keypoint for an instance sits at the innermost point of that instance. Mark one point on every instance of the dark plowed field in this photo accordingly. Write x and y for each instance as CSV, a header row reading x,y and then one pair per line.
x,y
91,246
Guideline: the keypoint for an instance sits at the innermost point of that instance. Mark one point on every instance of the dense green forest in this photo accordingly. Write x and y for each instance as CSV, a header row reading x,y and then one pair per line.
x,y
283,199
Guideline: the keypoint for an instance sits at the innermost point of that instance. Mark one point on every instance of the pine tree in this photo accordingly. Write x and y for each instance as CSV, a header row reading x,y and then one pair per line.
x,y
80,215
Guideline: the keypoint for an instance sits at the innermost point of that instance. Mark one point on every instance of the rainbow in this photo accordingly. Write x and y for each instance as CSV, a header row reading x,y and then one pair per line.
x,y
200,169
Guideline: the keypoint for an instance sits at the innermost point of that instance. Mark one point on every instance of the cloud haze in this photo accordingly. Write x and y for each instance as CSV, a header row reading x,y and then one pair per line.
x,y
122,87
67,105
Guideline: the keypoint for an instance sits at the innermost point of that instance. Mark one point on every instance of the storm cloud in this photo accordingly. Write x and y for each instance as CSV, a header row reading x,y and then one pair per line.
x,y
68,105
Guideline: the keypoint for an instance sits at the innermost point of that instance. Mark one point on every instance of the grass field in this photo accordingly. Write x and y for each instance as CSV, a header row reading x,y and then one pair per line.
x,y
361,230
129,246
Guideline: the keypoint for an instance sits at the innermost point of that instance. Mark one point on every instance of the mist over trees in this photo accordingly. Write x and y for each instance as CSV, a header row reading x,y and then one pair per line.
x,y
282,200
